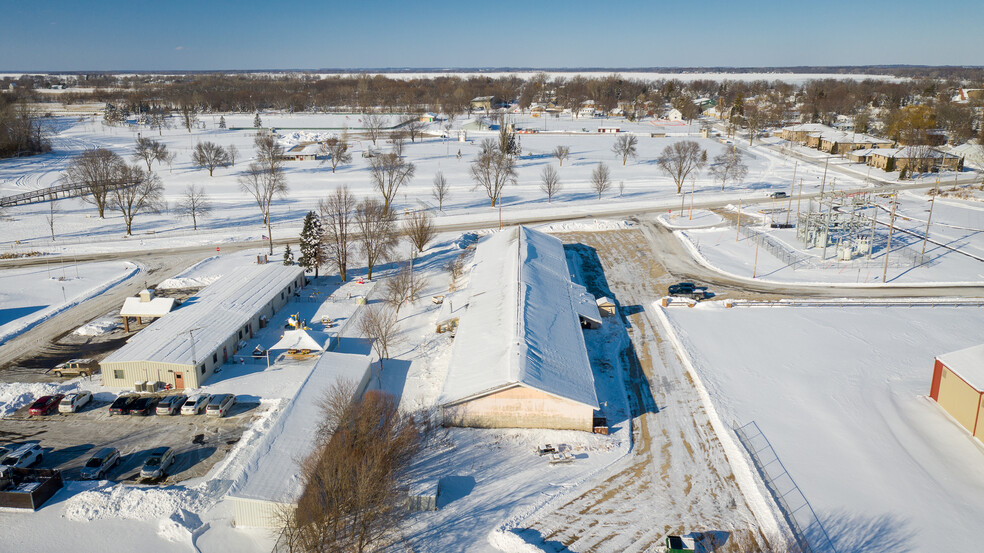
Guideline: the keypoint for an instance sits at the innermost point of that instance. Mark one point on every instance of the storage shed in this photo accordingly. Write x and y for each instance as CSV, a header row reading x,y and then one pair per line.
x,y
184,348
958,386
519,357
145,306
273,480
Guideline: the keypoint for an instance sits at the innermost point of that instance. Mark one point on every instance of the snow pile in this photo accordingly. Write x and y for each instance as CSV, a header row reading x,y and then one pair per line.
x,y
684,219
135,503
180,526
187,282
14,395
584,225
98,327
299,137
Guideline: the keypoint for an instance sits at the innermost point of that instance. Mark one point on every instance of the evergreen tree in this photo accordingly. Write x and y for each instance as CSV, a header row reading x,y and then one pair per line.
x,y
288,256
256,121
312,249
222,123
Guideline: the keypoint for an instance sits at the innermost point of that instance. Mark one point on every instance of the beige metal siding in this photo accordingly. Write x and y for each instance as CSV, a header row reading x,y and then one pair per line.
x,y
959,399
255,513
520,407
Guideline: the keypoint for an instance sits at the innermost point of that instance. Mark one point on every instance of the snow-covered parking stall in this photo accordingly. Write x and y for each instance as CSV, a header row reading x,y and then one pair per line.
x,y
519,357
841,394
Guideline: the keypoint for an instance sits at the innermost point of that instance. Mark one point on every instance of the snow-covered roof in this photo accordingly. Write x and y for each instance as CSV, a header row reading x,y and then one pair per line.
x,y
604,300
298,339
304,150
273,473
907,152
157,307
855,138
968,364
212,316
521,326
808,127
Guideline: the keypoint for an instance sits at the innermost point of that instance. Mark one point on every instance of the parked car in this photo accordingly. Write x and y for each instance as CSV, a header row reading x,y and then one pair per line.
x,y
220,404
195,404
121,406
778,195
144,406
23,456
99,464
76,367
170,405
75,401
45,405
157,463
4,451
681,288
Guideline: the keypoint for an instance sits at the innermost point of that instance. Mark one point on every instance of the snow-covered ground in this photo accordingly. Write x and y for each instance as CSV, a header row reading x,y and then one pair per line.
x,y
841,393
31,295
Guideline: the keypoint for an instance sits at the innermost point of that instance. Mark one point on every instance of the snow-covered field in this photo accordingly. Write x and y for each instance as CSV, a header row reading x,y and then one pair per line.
x,y
842,395
31,295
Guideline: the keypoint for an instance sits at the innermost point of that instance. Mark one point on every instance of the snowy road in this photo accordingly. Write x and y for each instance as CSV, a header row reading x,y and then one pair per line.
x,y
678,477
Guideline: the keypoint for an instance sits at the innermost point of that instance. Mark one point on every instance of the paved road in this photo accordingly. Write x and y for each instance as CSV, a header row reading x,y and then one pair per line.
x,y
678,261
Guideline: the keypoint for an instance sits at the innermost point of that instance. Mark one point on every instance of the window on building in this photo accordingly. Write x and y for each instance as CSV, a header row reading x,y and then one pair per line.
x,y
202,368
240,334
118,374
215,357
281,295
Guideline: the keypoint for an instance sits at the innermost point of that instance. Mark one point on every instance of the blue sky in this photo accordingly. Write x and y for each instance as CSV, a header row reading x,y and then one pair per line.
x,y
141,35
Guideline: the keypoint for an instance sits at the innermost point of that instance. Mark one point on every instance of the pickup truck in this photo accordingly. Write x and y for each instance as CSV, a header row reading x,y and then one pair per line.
x,y
75,367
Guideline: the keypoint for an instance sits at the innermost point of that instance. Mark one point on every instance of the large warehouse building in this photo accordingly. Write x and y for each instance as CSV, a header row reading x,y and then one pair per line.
x,y
958,386
184,347
519,358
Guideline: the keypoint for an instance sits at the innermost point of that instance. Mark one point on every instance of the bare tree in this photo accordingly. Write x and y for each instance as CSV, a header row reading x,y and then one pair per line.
x,y
379,324
419,228
149,151
97,171
209,155
492,170
441,189
414,127
388,173
264,186
356,481
403,287
373,124
50,217
399,140
455,269
194,203
729,166
233,154
336,151
600,179
158,118
269,153
680,159
189,116
337,213
561,153
754,118
550,182
376,231
625,147
139,191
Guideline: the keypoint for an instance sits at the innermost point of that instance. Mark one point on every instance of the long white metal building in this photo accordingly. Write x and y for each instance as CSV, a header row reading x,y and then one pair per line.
x,y
519,357
184,347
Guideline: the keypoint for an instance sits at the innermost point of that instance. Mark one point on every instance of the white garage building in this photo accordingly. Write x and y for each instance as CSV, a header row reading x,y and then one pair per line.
x,y
519,357
185,347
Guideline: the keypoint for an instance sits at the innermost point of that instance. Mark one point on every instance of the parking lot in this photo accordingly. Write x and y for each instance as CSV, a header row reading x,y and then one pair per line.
x,y
198,441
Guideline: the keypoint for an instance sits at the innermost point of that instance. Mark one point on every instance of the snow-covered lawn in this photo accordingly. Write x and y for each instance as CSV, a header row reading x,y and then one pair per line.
x,y
31,295
841,394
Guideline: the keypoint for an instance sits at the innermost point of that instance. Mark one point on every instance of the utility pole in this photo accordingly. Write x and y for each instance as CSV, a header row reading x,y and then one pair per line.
x,y
891,227
792,183
738,228
932,202
693,182
799,199
758,239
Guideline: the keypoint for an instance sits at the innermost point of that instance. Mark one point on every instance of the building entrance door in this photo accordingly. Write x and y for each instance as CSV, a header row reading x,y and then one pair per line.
x,y
179,381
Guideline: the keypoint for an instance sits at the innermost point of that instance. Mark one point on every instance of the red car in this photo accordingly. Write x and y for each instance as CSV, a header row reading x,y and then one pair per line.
x,y
45,405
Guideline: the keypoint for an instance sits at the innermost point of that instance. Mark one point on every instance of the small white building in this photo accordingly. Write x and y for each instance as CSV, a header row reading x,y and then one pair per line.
x,y
674,115
303,152
519,358
145,306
